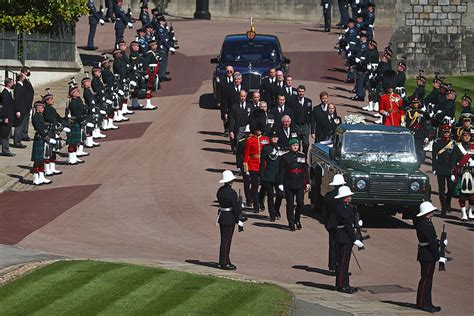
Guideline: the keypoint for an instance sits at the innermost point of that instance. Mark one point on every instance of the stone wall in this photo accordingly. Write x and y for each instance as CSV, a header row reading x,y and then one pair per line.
x,y
435,35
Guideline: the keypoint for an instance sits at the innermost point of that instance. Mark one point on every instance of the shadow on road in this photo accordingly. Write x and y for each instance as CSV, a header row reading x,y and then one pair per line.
x,y
256,216
206,101
217,141
272,225
209,264
332,78
211,133
317,285
340,89
336,69
20,179
218,150
313,30
383,221
403,304
465,224
230,163
313,269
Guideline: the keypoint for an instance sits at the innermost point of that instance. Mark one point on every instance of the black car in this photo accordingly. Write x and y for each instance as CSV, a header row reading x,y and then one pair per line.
x,y
251,56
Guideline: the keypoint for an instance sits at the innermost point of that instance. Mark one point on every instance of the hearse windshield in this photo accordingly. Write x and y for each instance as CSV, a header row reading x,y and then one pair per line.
x,y
253,52
380,143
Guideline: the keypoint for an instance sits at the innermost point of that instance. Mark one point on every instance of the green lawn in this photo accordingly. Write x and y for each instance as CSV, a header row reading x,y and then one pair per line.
x,y
93,287
459,83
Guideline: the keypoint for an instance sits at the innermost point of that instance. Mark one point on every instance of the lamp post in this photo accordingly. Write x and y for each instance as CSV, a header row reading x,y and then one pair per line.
x,y
202,10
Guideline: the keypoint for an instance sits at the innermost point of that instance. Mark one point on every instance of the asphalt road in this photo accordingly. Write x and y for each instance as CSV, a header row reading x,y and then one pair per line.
x,y
149,192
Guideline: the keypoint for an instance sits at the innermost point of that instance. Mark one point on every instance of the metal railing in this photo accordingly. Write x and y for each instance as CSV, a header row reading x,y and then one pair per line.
x,y
8,45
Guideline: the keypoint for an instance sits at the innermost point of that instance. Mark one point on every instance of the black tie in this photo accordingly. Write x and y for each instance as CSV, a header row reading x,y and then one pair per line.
x,y
242,105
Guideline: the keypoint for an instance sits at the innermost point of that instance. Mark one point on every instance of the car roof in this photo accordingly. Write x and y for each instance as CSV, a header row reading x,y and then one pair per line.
x,y
372,128
258,38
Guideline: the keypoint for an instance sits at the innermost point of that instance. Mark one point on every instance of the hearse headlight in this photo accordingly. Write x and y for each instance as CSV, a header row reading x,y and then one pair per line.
x,y
415,186
361,185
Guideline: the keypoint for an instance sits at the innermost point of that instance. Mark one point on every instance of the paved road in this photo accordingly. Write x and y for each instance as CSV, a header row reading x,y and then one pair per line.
x,y
151,195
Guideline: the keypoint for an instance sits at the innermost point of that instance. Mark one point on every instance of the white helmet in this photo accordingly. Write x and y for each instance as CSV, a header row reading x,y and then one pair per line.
x,y
425,208
343,192
338,180
227,176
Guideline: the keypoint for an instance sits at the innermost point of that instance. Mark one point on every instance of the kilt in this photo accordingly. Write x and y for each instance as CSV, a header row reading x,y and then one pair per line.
x,y
37,152
74,136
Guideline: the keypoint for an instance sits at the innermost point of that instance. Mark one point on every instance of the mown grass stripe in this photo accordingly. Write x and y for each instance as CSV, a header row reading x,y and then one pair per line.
x,y
43,290
176,295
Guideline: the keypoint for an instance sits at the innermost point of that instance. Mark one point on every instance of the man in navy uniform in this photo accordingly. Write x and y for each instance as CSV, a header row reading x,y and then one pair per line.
x,y
121,22
428,255
229,213
94,19
327,5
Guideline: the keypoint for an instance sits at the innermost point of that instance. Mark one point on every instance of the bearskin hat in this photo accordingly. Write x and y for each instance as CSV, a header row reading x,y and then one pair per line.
x,y
389,79
258,121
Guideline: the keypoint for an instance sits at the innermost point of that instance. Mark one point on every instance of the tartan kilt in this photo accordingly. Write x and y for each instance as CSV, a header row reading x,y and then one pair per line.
x,y
74,137
37,152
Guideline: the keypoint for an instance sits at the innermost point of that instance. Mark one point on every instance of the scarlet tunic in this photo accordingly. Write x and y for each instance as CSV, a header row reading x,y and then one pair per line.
x,y
252,150
391,103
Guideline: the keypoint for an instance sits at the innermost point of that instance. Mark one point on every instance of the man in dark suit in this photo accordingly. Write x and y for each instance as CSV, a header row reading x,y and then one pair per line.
x,y
282,109
30,94
21,109
302,107
288,90
326,129
239,118
267,87
254,104
286,132
8,116
318,112
231,96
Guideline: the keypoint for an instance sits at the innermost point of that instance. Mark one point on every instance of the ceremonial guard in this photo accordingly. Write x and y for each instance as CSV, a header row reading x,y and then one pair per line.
x,y
252,151
391,102
327,5
293,179
138,83
442,163
166,46
37,153
77,119
416,122
93,114
361,53
420,86
345,238
372,67
465,124
369,20
95,18
428,255
462,174
466,101
269,164
151,64
120,68
229,214
144,15
122,20
329,218
239,162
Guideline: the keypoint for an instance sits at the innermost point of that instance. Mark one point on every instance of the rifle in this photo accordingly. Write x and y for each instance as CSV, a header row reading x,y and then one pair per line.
x,y
358,228
443,250
243,216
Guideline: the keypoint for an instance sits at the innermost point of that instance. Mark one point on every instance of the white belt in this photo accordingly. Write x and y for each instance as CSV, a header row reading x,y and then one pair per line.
x,y
225,209
340,226
423,244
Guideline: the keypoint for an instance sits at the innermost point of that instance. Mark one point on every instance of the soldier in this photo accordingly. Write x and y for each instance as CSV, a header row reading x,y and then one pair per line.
x,y
293,179
343,13
239,162
369,20
152,64
302,108
466,101
327,5
253,148
136,75
269,164
361,68
329,218
391,102
144,15
142,41
420,87
166,46
345,238
109,16
7,117
93,113
77,119
37,153
372,66
465,120
432,99
229,214
442,158
428,255
401,78
122,20
94,19
121,68
462,173
416,122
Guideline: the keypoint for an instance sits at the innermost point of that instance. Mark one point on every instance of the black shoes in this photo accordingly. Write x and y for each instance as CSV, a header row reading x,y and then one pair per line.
x,y
327,30
8,154
227,267
292,228
353,91
347,290
262,206
299,226
18,145
356,98
349,81
26,139
431,309
165,79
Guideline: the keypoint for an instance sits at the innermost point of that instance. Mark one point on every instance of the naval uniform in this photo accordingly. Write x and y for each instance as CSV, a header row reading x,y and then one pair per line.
x,y
442,160
329,220
345,238
428,254
228,216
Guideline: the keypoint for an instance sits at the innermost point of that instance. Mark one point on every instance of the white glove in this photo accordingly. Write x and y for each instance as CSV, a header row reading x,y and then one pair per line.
x,y
358,243
453,177
426,140
326,5
357,60
241,224
281,187
247,174
67,129
101,21
172,49
94,110
52,141
445,242
360,223
357,1
308,187
369,66
109,102
471,162
403,124
89,124
443,260
121,93
102,112
93,101
146,76
130,25
347,46
133,83
434,172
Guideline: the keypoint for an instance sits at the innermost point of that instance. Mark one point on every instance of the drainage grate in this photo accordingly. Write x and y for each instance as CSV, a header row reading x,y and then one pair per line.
x,y
385,289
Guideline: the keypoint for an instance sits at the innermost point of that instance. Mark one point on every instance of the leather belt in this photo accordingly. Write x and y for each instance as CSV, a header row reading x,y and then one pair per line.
x,y
423,244
295,171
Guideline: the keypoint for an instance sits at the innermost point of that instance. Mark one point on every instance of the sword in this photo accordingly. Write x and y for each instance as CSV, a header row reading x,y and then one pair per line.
x,y
357,261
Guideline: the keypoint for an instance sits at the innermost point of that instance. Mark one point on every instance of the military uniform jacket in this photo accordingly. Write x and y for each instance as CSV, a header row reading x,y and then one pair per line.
x,y
463,152
426,234
51,116
144,17
419,93
98,88
78,110
345,233
94,16
269,163
329,210
120,68
416,122
227,198
401,78
108,78
447,108
302,110
252,150
38,124
433,97
293,170
121,18
89,99
442,156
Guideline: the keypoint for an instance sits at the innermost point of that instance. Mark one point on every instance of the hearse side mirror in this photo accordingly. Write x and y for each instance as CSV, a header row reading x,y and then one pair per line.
x,y
214,60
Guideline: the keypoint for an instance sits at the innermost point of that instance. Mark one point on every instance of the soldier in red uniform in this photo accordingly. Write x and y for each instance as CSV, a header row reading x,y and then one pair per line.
x,y
391,102
462,173
252,150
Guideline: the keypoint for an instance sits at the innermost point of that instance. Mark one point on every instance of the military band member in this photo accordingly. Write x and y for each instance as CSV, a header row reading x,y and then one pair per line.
x,y
53,124
77,112
93,114
293,179
391,103
345,238
37,153
462,173
228,215
416,122
428,255
442,159
151,65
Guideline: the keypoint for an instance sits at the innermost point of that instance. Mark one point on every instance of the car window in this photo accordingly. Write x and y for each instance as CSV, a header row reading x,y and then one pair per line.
x,y
245,52
378,142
